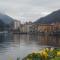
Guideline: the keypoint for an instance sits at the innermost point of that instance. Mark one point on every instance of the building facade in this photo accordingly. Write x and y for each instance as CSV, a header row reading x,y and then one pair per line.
x,y
25,28
16,24
46,28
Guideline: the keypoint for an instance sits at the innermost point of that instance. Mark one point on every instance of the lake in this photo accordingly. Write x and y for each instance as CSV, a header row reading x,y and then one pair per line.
x,y
15,45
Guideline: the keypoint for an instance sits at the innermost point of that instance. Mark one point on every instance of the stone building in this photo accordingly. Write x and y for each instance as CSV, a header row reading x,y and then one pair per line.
x,y
54,27
45,28
25,28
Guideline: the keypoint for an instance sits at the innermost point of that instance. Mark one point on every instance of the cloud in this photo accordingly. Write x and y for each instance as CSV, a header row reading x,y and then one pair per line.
x,y
29,9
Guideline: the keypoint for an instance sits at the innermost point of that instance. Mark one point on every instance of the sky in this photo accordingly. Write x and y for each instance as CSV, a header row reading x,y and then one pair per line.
x,y
28,10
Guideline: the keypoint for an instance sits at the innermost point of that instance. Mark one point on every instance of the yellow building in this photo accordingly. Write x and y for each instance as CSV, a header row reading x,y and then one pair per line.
x,y
46,27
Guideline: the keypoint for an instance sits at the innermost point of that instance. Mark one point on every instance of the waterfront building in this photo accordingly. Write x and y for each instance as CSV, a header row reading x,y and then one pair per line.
x,y
46,28
16,24
25,28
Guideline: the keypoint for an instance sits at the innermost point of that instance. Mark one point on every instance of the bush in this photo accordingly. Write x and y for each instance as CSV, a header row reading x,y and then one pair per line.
x,y
44,54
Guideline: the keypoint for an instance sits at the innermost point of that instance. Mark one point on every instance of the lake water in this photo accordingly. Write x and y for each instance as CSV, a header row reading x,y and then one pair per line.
x,y
13,46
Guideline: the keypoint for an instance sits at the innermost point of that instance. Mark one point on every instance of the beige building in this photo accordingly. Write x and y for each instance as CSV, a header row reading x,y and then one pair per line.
x,y
46,27
25,28
57,25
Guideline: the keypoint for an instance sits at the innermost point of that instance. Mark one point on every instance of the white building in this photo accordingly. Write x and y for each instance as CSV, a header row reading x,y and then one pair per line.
x,y
16,24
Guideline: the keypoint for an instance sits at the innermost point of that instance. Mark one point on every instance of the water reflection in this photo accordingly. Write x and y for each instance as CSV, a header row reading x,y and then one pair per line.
x,y
41,40
30,43
9,46
49,40
12,45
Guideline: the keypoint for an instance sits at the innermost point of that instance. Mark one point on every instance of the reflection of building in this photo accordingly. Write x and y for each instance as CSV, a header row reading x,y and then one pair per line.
x,y
46,40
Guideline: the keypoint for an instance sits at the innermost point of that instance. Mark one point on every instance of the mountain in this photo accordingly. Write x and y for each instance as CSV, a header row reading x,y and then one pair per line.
x,y
6,19
6,22
51,18
1,23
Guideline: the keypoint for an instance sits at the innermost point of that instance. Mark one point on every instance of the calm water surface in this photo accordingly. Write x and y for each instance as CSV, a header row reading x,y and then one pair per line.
x,y
13,46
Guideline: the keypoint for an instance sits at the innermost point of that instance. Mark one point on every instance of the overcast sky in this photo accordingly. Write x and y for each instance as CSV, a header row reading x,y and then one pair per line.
x,y
28,10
